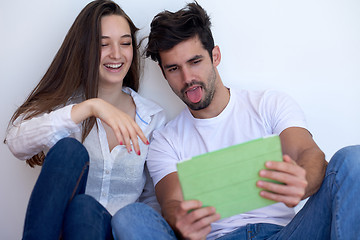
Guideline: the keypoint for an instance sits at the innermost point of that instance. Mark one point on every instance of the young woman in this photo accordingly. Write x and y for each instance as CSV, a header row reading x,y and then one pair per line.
x,y
88,94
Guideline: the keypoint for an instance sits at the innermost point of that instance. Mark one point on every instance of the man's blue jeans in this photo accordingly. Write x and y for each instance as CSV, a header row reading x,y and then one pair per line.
x,y
58,205
331,213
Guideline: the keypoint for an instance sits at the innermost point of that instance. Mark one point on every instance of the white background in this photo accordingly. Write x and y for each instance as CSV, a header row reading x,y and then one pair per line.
x,y
308,49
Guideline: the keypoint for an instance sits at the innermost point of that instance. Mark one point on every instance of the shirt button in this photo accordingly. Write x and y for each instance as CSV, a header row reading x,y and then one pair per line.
x,y
107,171
104,194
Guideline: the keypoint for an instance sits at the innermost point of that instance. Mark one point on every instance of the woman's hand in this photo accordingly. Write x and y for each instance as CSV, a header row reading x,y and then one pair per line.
x,y
124,127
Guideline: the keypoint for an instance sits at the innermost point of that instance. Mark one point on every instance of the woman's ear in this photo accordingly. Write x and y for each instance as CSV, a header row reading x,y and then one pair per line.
x,y
216,54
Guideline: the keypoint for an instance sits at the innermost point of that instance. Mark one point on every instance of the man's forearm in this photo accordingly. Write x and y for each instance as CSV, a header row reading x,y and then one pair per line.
x,y
168,211
313,161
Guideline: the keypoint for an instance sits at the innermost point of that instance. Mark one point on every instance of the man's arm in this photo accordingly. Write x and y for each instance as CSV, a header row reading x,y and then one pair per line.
x,y
302,170
188,225
301,147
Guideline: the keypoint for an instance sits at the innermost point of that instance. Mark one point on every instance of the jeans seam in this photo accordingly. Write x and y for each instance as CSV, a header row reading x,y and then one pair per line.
x,y
300,220
335,184
78,181
250,231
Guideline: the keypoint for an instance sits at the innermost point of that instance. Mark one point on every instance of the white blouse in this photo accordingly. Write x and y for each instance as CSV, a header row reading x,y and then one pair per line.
x,y
116,178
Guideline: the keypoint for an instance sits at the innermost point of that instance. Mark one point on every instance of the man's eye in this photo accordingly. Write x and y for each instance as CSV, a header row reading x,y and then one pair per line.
x,y
196,61
172,69
126,43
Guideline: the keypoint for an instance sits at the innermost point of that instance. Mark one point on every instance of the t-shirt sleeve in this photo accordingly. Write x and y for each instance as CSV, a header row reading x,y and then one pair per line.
x,y
161,158
280,112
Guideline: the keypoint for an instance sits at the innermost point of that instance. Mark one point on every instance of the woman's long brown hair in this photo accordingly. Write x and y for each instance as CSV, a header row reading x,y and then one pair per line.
x,y
75,68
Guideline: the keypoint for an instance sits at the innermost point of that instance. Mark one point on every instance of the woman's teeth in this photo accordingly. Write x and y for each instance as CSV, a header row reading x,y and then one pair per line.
x,y
113,66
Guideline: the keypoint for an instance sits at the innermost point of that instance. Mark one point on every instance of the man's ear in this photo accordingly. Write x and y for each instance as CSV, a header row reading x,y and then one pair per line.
x,y
162,70
216,54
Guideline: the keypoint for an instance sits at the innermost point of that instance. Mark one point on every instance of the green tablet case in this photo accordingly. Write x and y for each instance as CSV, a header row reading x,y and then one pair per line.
x,y
226,178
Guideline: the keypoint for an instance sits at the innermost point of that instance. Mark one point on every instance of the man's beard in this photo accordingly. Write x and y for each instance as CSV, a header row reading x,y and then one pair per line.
x,y
208,90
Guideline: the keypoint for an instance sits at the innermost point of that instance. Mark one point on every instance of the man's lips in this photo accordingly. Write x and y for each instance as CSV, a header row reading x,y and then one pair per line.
x,y
192,88
194,94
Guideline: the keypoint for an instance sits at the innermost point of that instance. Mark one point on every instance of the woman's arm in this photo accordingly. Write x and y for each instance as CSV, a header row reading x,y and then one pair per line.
x,y
26,138
124,127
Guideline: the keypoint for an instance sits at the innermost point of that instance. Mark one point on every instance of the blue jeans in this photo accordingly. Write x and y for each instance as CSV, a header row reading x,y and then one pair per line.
x,y
331,213
58,205
138,221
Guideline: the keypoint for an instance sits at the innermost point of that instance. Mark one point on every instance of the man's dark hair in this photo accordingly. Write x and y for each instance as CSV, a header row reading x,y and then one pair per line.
x,y
170,28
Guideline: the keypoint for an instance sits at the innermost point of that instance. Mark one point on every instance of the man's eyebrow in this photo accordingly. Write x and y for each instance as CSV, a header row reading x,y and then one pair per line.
x,y
170,66
196,57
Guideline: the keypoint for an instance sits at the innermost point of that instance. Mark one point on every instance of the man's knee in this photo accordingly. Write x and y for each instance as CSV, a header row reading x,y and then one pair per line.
x,y
139,221
347,158
132,212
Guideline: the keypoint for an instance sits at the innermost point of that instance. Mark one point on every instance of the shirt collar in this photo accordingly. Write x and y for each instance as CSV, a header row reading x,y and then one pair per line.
x,y
145,108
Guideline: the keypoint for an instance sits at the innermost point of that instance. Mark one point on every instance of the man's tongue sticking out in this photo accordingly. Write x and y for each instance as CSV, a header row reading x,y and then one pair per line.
x,y
194,94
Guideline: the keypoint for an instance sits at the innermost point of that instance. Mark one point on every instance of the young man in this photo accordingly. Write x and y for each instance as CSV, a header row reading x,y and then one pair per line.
x,y
218,117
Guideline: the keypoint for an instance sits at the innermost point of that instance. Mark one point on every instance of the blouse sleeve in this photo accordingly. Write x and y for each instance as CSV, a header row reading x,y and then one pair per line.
x,y
26,138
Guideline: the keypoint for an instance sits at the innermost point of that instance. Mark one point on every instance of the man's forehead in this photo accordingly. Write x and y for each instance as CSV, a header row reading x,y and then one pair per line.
x,y
183,52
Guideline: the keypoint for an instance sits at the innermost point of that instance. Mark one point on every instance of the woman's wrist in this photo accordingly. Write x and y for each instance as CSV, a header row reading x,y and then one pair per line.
x,y
84,110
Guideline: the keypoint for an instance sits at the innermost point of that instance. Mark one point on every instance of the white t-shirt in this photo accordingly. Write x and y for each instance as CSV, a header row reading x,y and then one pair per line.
x,y
248,115
116,178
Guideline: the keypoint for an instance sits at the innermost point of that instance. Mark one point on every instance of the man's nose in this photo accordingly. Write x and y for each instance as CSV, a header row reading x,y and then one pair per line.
x,y
186,75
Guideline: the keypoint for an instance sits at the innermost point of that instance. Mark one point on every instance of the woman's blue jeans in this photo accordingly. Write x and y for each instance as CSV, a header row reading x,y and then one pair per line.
x,y
332,213
58,206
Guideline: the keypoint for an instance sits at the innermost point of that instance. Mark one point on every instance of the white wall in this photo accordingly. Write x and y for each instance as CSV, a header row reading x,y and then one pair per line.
x,y
309,49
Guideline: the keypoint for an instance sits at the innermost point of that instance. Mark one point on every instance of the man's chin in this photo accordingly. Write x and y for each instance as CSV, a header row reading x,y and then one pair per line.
x,y
197,106
202,104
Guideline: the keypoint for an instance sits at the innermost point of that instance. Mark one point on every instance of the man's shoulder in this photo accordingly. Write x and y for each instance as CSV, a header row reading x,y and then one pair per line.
x,y
177,122
255,95
171,132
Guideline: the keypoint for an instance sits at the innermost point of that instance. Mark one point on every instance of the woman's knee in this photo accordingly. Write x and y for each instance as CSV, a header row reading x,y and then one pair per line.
x,y
68,151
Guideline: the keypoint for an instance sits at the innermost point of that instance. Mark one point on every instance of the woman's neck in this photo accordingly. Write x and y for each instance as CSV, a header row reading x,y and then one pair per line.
x,y
116,97
111,94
